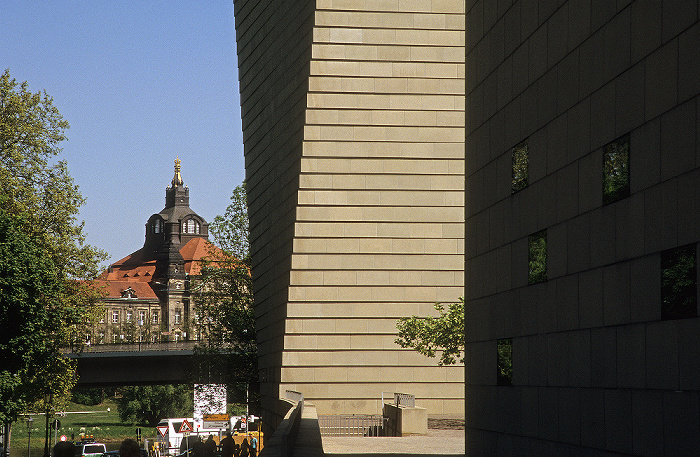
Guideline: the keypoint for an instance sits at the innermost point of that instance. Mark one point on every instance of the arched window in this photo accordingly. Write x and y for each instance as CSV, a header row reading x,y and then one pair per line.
x,y
189,226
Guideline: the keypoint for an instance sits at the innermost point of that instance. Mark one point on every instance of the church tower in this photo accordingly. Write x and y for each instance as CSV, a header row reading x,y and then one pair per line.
x,y
166,233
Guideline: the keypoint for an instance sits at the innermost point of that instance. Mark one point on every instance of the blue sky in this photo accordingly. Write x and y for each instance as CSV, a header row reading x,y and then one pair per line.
x,y
140,82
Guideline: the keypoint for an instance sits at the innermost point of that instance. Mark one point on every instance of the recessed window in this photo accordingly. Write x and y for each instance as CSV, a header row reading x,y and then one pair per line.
x,y
178,316
616,170
505,362
191,226
537,257
128,315
142,317
520,165
155,317
115,317
679,293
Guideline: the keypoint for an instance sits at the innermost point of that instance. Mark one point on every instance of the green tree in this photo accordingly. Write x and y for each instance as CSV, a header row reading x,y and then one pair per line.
x,y
224,317
40,205
31,129
33,321
428,335
147,405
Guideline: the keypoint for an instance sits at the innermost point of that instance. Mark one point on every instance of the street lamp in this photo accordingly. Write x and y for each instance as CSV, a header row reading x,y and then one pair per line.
x,y
29,432
48,397
140,326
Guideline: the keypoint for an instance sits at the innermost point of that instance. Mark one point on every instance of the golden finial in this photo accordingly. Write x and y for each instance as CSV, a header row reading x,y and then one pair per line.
x,y
177,179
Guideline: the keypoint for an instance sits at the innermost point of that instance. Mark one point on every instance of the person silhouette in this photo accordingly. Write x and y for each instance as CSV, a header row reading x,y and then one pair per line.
x,y
227,446
129,448
210,447
63,449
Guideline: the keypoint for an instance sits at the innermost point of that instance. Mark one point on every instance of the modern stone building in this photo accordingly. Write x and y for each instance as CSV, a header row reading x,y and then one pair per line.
x,y
147,292
353,125
582,225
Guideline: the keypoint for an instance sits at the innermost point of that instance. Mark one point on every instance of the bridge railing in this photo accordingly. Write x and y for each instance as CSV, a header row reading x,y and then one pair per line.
x,y
133,347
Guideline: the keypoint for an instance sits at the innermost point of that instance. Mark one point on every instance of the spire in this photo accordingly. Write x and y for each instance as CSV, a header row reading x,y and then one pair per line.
x,y
177,179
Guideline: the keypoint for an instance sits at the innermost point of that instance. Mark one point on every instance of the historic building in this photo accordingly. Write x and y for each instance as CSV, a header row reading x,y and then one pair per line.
x,y
147,292
353,126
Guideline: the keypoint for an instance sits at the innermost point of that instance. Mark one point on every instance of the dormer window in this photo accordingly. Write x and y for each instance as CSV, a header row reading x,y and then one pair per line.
x,y
129,293
191,226
157,226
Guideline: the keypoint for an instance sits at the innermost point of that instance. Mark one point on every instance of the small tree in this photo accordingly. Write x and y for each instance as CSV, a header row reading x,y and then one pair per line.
x,y
149,404
428,335
224,317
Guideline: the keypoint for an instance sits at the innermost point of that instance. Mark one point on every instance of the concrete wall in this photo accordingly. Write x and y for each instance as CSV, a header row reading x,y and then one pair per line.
x,y
354,160
595,367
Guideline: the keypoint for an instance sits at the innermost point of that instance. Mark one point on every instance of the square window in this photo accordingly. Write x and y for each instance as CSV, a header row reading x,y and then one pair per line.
x,y
505,362
537,257
679,293
616,170
520,165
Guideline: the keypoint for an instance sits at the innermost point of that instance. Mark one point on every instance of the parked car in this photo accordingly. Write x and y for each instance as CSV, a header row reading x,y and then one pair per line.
x,y
90,450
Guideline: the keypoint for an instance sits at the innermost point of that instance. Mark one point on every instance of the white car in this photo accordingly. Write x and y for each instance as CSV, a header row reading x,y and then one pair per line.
x,y
90,450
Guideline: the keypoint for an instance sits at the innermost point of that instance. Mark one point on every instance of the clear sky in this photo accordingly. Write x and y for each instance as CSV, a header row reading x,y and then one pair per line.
x,y
140,82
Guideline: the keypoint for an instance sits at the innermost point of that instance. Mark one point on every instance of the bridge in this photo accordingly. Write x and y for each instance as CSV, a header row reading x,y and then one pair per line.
x,y
137,364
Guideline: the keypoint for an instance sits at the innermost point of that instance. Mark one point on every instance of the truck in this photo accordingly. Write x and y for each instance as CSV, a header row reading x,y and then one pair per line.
x,y
170,437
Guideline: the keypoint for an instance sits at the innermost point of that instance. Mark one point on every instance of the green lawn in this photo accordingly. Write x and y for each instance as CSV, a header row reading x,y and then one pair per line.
x,y
104,425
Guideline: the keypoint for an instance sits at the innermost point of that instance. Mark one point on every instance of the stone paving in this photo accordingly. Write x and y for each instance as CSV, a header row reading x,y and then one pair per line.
x,y
436,443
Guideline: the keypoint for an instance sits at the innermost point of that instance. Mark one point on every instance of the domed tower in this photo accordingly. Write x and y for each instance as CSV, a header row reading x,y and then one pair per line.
x,y
166,234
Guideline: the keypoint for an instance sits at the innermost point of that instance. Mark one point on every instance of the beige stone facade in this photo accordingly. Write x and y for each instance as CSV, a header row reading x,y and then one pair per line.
x,y
353,121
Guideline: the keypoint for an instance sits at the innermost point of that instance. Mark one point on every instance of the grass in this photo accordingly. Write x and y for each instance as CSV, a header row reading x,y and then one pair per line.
x,y
104,425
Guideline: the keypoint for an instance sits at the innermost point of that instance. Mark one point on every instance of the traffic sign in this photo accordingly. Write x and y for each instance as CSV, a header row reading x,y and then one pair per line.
x,y
185,427
220,421
162,429
64,438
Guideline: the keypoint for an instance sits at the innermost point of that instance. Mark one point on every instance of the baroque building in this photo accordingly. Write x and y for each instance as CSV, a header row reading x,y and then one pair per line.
x,y
147,292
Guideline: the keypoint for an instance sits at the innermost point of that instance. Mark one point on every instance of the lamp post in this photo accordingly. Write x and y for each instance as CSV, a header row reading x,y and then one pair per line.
x,y
140,326
29,433
48,396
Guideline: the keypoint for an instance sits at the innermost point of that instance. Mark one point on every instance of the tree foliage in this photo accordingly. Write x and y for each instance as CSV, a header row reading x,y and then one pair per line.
x,y
429,335
46,298
31,129
147,405
33,320
230,231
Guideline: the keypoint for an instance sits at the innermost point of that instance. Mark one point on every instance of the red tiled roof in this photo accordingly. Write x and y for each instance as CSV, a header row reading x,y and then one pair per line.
x,y
114,289
136,271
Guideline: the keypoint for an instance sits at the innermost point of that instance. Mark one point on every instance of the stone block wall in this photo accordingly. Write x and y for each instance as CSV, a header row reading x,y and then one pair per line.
x,y
355,166
596,365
